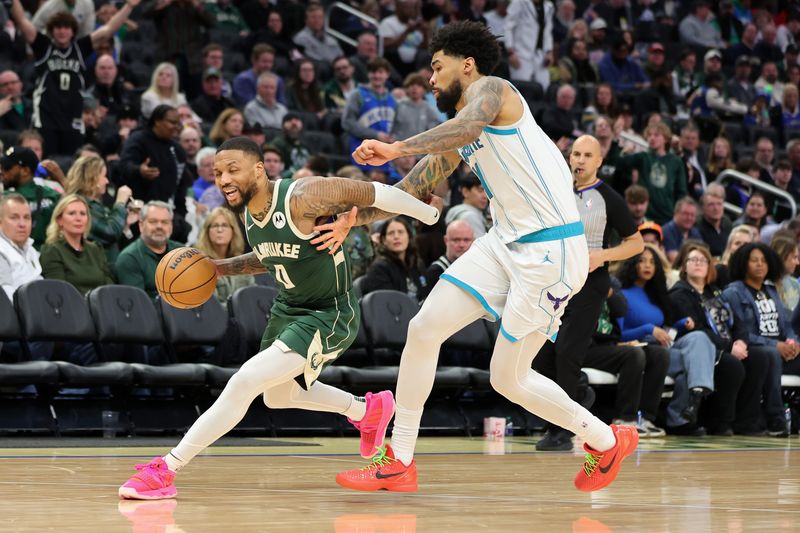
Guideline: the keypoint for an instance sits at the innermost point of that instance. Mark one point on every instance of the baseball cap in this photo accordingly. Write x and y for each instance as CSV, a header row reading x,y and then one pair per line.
x,y
212,73
712,54
655,47
254,127
128,111
743,60
652,227
598,24
290,116
19,155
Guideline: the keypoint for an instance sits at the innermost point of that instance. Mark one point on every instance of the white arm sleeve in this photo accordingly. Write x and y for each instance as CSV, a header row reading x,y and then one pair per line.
x,y
394,200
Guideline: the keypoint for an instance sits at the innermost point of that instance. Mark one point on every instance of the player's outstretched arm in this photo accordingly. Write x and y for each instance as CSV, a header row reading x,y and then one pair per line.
x,y
240,265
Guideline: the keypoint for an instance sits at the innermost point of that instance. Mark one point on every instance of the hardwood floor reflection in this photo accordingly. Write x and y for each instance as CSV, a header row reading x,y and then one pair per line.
x,y
742,485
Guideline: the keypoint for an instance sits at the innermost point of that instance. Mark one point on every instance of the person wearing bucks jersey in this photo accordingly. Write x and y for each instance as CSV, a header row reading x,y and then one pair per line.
x,y
315,316
61,73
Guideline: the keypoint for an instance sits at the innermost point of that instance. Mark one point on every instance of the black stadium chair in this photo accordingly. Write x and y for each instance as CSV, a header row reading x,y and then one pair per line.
x,y
250,308
23,372
386,315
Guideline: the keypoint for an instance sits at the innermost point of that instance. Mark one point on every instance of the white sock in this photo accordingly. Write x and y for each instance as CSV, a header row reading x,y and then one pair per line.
x,y
591,429
357,409
174,462
404,434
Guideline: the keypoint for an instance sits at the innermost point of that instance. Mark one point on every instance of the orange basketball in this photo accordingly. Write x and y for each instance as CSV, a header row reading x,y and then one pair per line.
x,y
186,278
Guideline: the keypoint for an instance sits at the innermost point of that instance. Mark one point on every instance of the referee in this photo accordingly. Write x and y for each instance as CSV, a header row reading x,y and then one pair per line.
x,y
602,210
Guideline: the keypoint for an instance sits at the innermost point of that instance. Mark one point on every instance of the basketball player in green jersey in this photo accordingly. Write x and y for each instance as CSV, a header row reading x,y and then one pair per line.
x,y
315,316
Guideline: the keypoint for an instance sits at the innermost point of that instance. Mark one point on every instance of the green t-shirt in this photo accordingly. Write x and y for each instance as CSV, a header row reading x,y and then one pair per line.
x,y
136,265
664,178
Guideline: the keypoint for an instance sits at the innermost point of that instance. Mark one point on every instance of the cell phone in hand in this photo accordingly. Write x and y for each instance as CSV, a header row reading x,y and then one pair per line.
x,y
672,332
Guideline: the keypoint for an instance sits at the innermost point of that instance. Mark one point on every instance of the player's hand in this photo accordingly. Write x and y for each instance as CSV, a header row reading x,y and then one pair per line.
x,y
375,153
332,235
662,336
148,172
595,260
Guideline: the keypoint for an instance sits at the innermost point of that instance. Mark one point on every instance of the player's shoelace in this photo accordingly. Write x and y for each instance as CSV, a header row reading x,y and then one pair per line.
x,y
591,462
379,460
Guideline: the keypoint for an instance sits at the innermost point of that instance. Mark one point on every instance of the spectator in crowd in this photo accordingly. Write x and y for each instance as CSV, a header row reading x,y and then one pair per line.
x,y
188,118
756,212
414,115
529,40
790,108
662,173
127,120
640,370
656,62
761,320
303,92
712,64
558,121
720,158
272,34
699,29
273,162
245,84
405,36
713,226
182,26
205,171
397,266
598,37
782,179
575,68
312,39
685,79
473,206
19,260
620,71
210,104
136,264
496,20
109,225
228,18
109,89
760,114
681,227
338,89
229,124
765,157
82,10
788,286
789,34
693,153
766,50
221,238
67,254
745,48
730,27
153,165
692,354
18,166
739,236
191,142
366,51
638,200
770,84
15,109
294,152
458,237
697,297
708,100
740,88
265,109
214,57
58,104
370,110
164,90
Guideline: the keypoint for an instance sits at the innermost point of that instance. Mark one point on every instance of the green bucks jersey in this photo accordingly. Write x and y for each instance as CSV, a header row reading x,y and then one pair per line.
x,y
316,313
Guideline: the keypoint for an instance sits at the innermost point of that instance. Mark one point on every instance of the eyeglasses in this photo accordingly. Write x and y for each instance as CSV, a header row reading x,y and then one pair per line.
x,y
221,226
698,260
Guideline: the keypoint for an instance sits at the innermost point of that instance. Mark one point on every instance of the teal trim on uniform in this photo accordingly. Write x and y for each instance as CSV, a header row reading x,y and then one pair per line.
x,y
555,233
554,337
497,131
458,283
507,335
482,179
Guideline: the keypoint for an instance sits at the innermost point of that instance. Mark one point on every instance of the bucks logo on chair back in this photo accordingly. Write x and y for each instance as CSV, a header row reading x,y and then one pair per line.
x,y
315,313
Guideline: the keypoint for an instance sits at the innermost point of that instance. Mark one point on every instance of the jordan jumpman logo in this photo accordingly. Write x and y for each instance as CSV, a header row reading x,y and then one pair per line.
x,y
556,301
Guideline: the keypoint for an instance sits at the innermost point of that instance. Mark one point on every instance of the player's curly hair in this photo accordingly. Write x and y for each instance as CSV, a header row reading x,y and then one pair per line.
x,y
62,19
468,39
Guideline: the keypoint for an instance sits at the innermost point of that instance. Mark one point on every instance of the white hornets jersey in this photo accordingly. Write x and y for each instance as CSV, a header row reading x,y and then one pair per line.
x,y
526,178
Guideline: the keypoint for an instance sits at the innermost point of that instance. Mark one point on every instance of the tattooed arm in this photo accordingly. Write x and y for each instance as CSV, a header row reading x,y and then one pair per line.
x,y
240,265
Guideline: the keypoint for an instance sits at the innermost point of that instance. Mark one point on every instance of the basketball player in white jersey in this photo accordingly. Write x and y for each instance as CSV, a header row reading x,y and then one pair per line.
x,y
522,272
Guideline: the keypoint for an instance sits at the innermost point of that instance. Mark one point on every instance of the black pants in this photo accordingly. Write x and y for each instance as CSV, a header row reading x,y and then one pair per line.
x,y
61,142
641,373
719,409
562,360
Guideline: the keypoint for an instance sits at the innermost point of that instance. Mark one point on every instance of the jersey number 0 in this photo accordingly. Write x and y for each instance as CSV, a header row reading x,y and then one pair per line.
x,y
283,277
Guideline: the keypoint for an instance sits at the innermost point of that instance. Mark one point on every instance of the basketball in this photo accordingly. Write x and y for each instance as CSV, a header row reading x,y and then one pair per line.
x,y
186,278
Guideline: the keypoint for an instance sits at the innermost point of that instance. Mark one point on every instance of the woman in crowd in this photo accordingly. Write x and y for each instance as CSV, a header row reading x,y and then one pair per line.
x,y
720,157
740,235
67,254
576,68
397,266
164,89
88,178
788,286
604,103
692,354
303,92
738,377
229,124
756,212
791,107
761,320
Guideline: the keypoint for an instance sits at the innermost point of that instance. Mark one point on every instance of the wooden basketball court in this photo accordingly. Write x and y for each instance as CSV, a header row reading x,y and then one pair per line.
x,y
709,484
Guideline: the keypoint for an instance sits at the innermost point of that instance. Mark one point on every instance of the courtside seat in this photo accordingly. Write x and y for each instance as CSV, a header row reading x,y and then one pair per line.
x,y
125,315
372,378
334,375
385,315
599,377
217,376
469,347
25,372
250,307
479,378
54,310
452,377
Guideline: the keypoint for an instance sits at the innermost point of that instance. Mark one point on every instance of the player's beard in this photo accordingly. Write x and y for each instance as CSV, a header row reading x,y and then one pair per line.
x,y
448,98
246,195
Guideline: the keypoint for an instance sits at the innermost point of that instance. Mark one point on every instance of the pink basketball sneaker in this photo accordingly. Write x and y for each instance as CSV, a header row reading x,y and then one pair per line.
x,y
153,481
380,409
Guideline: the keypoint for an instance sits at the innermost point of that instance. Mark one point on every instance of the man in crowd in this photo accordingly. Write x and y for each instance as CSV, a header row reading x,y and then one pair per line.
x,y
265,108
457,239
211,102
245,85
471,210
19,260
714,226
273,162
15,111
294,153
681,227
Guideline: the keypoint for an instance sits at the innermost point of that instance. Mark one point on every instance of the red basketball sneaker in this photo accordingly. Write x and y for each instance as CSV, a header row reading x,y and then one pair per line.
x,y
601,468
380,409
385,472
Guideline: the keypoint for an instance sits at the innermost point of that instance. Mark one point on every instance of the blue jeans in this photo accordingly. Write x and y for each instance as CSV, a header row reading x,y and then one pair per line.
x,y
691,364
